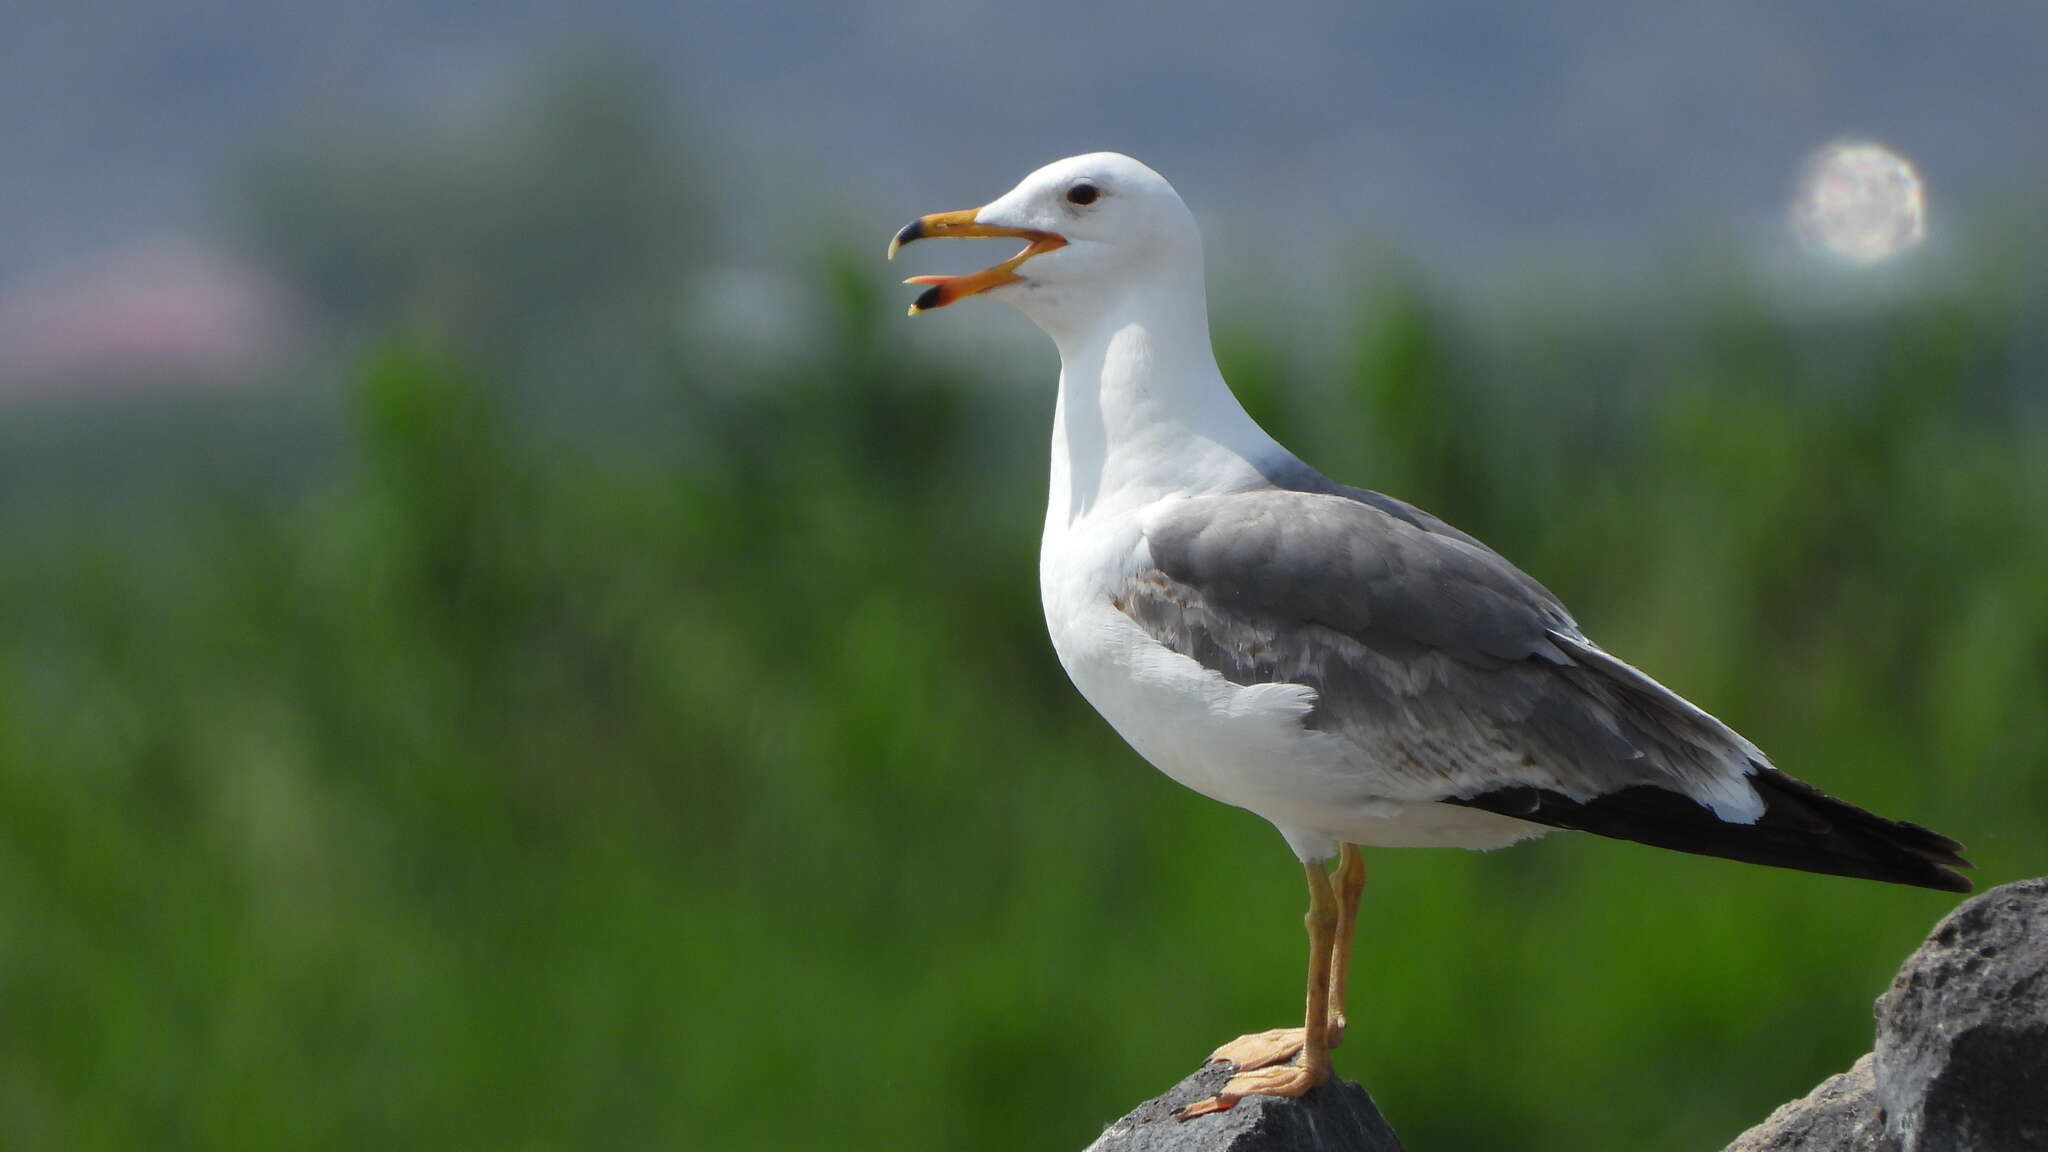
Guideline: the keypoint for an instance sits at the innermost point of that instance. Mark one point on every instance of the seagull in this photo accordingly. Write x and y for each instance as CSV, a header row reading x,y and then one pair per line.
x,y
1342,663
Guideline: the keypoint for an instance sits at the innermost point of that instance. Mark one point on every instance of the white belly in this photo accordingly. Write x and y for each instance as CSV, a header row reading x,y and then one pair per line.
x,y
1244,745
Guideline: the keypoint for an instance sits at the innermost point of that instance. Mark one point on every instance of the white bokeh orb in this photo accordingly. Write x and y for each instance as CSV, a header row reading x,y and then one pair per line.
x,y
1859,201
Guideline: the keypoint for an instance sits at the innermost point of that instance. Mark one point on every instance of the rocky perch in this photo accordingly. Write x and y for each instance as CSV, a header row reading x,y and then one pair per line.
x,y
1961,1065
1337,1115
1962,1046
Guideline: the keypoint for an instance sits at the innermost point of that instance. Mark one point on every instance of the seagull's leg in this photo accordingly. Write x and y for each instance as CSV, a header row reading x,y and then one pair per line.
x,y
1312,1067
1279,1045
1350,884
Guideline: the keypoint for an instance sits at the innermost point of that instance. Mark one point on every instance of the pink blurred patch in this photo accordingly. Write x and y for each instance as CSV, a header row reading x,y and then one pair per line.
x,y
162,315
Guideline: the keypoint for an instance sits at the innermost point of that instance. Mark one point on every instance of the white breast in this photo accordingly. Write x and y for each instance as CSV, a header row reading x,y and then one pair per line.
x,y
1244,745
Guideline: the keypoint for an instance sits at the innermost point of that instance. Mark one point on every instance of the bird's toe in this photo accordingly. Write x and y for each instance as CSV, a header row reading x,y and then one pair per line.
x,y
1277,1080
1260,1049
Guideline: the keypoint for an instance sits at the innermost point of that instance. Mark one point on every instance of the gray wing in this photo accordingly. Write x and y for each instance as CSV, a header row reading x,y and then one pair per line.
x,y
1464,680
1457,671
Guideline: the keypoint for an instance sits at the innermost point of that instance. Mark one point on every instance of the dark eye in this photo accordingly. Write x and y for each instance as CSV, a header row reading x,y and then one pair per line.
x,y
1083,194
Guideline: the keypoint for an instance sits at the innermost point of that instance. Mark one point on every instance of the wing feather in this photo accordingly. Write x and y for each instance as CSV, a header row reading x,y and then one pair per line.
x,y
1457,672
1461,679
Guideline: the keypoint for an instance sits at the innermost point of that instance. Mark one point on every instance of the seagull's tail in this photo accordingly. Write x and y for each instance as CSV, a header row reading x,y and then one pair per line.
x,y
1801,828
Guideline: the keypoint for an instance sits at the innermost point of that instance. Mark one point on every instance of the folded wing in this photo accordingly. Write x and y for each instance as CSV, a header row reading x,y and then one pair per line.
x,y
1463,680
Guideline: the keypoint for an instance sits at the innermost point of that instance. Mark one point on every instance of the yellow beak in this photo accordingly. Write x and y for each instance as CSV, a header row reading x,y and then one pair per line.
x,y
945,290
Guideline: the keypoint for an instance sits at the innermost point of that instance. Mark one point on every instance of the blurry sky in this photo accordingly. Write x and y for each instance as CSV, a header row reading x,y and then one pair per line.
x,y
1466,136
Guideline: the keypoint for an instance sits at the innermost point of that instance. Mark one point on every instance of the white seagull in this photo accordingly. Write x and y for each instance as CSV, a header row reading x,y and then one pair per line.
x,y
1340,662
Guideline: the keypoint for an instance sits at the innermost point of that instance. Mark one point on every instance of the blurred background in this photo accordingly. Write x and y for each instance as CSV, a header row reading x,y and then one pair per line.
x,y
512,640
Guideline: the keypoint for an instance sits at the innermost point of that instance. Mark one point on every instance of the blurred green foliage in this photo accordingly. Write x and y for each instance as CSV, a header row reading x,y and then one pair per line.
x,y
380,767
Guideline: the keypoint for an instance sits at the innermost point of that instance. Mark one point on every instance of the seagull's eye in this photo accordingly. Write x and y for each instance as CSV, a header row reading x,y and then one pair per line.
x,y
1083,194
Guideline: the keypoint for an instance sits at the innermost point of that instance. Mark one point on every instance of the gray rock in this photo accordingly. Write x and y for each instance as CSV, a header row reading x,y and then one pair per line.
x,y
1962,1046
1839,1116
1962,1036
1336,1117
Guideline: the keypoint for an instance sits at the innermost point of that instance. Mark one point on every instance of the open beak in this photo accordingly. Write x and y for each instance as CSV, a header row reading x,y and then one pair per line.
x,y
945,290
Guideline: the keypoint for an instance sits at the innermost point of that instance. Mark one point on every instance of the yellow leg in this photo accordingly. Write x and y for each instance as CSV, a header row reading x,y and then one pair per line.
x,y
1350,884
1313,1066
1279,1045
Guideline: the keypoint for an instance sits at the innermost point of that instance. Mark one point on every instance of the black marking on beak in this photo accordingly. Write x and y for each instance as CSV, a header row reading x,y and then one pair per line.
x,y
929,298
911,231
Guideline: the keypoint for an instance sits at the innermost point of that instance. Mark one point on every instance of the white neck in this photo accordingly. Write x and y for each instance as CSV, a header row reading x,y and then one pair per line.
x,y
1143,411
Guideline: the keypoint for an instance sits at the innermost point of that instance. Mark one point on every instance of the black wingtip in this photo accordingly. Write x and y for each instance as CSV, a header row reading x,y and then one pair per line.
x,y
1952,882
1897,851
1802,828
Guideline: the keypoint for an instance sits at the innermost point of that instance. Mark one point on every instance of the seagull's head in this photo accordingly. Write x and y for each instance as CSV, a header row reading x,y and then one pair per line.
x,y
1094,228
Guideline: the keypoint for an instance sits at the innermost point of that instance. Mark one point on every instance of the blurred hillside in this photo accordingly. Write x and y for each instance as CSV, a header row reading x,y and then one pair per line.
x,y
541,717
1595,133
